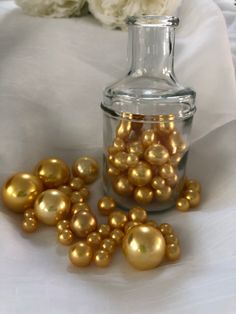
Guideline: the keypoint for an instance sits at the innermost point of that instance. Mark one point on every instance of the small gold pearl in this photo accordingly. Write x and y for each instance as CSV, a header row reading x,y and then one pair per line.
x,y
102,258
117,219
152,223
76,184
106,205
136,148
119,144
66,237
163,194
29,213
80,206
175,160
148,137
166,124
141,174
62,225
86,168
108,245
143,195
193,197
79,196
123,129
172,181
182,204
80,254
117,235
167,171
156,154
131,224
138,214
113,171
122,186
65,189
171,238
132,160
94,239
104,230
29,225
158,183
193,185
173,252
165,229
120,161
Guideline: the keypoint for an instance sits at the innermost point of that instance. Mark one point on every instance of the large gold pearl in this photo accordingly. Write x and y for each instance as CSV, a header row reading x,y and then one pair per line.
x,y
122,186
144,247
52,206
81,254
20,191
104,230
76,184
173,252
148,137
66,237
120,161
117,235
175,143
80,196
132,160
138,214
29,213
193,197
108,245
117,219
165,229
29,225
80,206
83,223
106,205
141,174
171,238
131,224
163,194
85,168
143,195
167,171
173,180
193,185
53,172
94,239
135,148
182,204
156,154
158,183
65,189
62,225
102,258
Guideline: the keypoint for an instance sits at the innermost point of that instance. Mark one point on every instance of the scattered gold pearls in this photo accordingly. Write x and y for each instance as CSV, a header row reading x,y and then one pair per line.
x,y
102,258
65,237
86,168
106,205
29,225
122,186
83,223
138,214
117,219
117,235
163,194
81,254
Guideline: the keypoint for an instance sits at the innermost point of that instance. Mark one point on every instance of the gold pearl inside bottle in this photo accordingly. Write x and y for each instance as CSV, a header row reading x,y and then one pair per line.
x,y
143,195
136,148
158,183
120,161
167,171
141,174
122,186
163,194
148,137
156,154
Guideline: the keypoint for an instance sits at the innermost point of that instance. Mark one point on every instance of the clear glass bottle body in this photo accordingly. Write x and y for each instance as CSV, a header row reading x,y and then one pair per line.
x,y
147,121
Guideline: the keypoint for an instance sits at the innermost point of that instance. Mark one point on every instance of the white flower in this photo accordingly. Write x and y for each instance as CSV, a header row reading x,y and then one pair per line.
x,y
114,12
52,8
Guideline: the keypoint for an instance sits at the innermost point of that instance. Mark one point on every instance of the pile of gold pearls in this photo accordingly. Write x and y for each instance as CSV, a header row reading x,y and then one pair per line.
x,y
142,163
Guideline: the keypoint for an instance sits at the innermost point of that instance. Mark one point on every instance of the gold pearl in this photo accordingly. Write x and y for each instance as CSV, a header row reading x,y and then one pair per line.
x,y
83,223
52,206
193,185
167,171
102,258
163,194
65,189
173,252
80,254
138,214
113,171
94,239
106,205
53,172
158,183
193,197
141,174
148,137
171,238
29,213
122,186
117,219
80,196
143,195
144,247
62,225
86,168
132,160
20,191
76,184
175,160
152,223
104,230
136,148
175,143
119,144
123,129
65,237
182,204
156,154
108,245
120,161
80,206
117,235
131,224
29,225
166,124
165,229
172,181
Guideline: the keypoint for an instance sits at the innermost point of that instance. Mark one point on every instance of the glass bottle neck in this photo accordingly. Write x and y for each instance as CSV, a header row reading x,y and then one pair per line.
x,y
151,51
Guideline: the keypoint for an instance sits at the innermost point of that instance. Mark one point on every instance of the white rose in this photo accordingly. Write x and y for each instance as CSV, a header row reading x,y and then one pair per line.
x,y
52,8
114,12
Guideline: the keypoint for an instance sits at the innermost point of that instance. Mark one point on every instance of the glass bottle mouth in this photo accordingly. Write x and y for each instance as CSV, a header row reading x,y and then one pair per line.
x,y
153,20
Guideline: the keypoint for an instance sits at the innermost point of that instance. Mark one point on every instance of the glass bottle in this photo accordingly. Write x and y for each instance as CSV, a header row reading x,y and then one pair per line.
x,y
147,118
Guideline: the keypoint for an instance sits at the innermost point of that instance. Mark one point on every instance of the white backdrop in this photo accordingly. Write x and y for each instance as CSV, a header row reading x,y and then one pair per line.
x,y
52,73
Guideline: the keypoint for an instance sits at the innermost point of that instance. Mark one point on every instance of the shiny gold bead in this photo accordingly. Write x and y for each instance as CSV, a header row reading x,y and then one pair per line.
x,y
113,171
80,206
193,185
136,148
123,129
158,183
80,196
51,206
167,171
29,213
166,124
122,186
138,214
106,205
83,223
76,184
119,144
108,245
165,229
117,219
66,237
80,254
104,230
143,195
144,247
148,137
20,191
131,224
120,161
141,174
193,197
175,143
117,235
156,154
62,225
53,172
173,180
182,204
102,258
29,225
173,252
94,239
86,168
163,194
132,160
171,239
175,160
152,223
65,189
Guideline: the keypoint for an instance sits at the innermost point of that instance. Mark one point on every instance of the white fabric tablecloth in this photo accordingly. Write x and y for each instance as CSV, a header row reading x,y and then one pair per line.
x,y
52,73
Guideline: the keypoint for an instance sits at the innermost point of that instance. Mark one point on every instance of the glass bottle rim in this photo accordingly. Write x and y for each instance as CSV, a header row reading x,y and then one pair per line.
x,y
153,20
